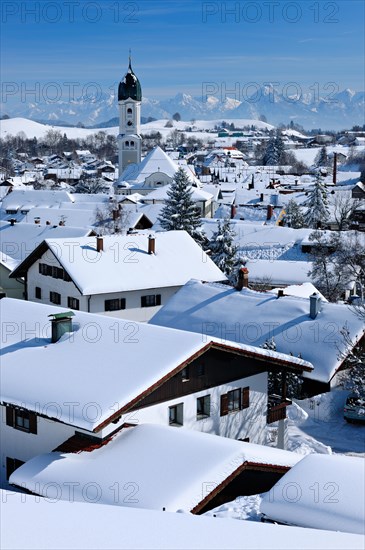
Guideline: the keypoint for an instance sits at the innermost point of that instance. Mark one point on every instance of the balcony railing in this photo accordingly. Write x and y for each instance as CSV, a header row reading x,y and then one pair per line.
x,y
277,408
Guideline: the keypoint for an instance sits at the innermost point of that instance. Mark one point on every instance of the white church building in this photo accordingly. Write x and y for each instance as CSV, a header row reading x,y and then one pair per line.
x,y
157,169
129,101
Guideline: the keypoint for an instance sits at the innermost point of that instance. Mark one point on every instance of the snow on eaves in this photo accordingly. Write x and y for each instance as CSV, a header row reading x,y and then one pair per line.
x,y
94,363
169,451
251,318
329,494
125,265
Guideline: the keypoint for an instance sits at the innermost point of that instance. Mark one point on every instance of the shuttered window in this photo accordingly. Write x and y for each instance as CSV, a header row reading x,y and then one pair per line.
x,y
235,400
12,464
55,298
245,398
115,304
21,419
151,300
73,303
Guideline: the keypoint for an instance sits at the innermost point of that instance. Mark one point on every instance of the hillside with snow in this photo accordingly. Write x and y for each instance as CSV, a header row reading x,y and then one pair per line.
x,y
32,129
327,110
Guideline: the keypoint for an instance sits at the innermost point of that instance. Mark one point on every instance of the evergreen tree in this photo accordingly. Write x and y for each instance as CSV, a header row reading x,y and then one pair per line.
x,y
293,381
180,212
223,251
353,357
317,205
321,157
271,153
293,215
279,144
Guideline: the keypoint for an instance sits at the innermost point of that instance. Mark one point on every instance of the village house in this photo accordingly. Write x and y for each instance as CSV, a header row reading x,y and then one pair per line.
x,y
81,376
299,326
129,276
342,506
156,170
17,240
235,469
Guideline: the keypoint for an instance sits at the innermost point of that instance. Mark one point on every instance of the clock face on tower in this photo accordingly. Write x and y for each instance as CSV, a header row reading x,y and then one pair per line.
x,y
130,123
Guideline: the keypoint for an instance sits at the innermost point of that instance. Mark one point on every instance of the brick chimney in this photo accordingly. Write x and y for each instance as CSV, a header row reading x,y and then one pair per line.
x,y
270,210
280,292
151,244
12,221
233,211
261,197
99,244
242,278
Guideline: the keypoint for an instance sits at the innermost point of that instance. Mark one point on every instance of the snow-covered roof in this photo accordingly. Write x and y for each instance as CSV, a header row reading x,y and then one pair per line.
x,y
304,290
20,239
169,451
278,272
322,492
80,525
19,199
160,194
156,161
125,264
253,317
94,363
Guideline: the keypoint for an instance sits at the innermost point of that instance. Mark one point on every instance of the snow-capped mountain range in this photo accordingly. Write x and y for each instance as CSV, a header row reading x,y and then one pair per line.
x,y
332,111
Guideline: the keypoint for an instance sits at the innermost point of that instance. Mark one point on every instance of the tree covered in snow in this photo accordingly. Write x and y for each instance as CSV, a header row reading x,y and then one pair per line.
x,y
337,260
275,378
223,251
274,152
321,157
180,211
271,157
112,219
293,215
353,375
317,205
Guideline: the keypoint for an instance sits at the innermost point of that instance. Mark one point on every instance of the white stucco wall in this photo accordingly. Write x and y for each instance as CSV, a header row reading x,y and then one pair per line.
x,y
250,422
96,304
24,446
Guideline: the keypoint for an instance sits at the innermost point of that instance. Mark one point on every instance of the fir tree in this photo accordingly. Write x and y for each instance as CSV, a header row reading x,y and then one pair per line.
x,y
279,145
293,215
353,357
317,205
271,153
223,251
180,212
293,381
321,157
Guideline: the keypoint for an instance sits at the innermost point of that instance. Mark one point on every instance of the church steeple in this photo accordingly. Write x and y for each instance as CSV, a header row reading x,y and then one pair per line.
x,y
129,86
129,101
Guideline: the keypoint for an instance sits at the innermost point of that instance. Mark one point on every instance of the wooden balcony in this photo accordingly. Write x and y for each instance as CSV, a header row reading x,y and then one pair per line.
x,y
277,408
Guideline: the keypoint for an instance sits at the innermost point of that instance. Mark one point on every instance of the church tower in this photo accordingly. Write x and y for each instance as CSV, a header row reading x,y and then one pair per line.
x,y
129,101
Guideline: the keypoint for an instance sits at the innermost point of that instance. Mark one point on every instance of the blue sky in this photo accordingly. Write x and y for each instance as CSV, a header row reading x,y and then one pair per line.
x,y
182,46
